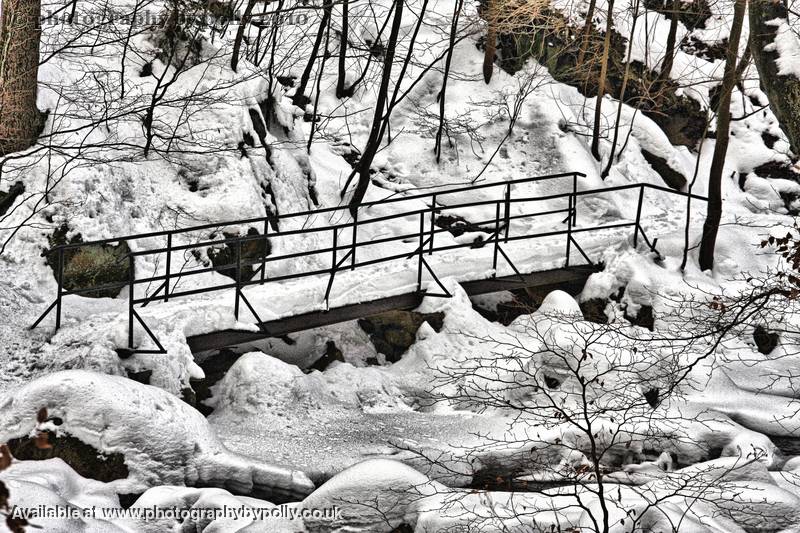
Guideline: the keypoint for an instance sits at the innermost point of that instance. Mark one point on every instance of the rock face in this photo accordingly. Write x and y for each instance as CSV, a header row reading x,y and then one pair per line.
x,y
768,19
162,439
84,459
671,177
555,44
7,199
91,266
252,251
394,332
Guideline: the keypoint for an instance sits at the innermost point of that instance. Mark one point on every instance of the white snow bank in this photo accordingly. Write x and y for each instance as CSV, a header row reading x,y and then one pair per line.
x,y
208,511
163,440
53,483
375,496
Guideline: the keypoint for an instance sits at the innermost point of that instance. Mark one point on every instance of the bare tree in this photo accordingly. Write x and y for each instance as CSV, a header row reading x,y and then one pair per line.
x,y
714,212
601,85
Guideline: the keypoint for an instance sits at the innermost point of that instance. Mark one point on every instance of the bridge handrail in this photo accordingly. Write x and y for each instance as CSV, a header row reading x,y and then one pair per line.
x,y
425,245
325,210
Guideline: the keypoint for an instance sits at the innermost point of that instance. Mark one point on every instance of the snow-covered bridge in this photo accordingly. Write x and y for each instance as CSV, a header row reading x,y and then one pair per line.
x,y
292,272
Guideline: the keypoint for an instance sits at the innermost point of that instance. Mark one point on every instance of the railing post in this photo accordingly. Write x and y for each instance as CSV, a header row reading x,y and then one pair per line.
x,y
355,241
169,267
131,298
508,211
433,224
421,251
575,199
638,216
496,237
569,228
60,287
264,255
238,277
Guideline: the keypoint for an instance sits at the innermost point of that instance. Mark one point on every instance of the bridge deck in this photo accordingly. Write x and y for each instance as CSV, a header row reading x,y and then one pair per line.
x,y
402,302
282,270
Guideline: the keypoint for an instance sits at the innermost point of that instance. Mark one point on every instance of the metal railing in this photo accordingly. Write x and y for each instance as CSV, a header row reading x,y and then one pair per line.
x,y
498,229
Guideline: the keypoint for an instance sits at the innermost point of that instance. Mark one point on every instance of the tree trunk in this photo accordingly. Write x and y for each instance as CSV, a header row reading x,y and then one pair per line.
x,y
237,43
437,148
491,40
376,132
587,32
20,31
783,89
669,53
714,213
601,85
342,79
299,99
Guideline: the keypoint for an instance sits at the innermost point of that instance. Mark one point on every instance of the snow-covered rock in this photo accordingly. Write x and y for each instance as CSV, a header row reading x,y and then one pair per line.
x,y
48,485
374,496
163,440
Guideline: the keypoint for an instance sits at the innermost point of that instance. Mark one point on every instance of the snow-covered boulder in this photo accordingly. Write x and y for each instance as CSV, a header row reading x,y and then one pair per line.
x,y
209,511
52,484
560,303
163,440
374,496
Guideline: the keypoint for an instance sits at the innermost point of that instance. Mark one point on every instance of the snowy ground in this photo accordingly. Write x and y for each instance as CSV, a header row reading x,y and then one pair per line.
x,y
273,424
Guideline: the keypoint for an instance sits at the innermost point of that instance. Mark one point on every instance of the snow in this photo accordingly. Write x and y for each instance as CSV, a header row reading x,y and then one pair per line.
x,y
163,440
371,433
53,483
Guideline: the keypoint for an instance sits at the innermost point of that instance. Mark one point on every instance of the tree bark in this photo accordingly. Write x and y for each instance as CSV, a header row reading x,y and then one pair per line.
x,y
601,85
299,99
669,53
376,132
237,43
342,79
491,40
714,212
20,32
783,89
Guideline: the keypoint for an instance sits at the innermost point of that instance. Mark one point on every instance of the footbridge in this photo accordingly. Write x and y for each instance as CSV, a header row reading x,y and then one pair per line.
x,y
297,271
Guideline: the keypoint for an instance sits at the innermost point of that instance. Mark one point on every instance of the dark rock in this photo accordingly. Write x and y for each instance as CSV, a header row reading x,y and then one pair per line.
x,y
252,253
84,459
286,81
142,377
673,178
506,312
777,170
692,14
458,226
708,51
188,395
126,501
643,319
765,340
594,310
393,332
332,353
769,139
214,367
7,199
104,268
652,397
551,382
403,528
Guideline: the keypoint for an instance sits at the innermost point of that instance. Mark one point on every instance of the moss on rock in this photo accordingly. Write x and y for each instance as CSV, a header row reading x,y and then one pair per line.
x,y
394,332
103,267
